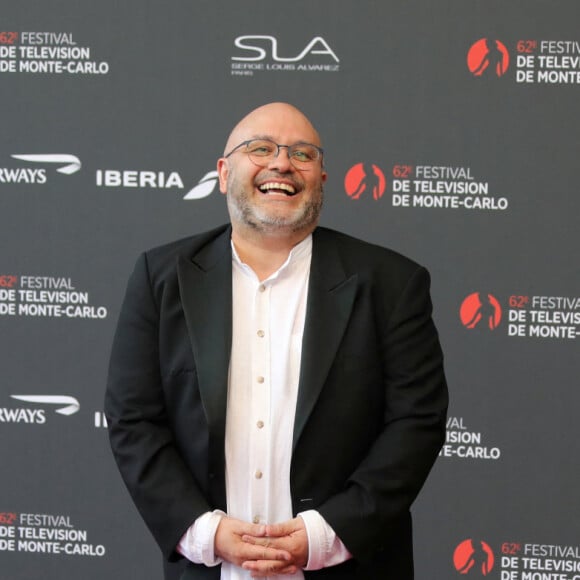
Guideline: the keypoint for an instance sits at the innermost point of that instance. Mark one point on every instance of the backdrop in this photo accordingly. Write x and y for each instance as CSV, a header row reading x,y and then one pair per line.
x,y
452,135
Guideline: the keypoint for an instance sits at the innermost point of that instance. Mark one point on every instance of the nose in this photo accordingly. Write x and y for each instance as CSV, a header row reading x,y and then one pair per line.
x,y
282,160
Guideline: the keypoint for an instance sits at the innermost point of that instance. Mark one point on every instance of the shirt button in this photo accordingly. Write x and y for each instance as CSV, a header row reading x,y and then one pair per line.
x,y
260,379
260,424
258,474
261,333
256,519
262,288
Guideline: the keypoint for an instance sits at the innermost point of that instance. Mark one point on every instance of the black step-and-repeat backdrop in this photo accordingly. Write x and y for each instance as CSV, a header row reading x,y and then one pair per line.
x,y
452,132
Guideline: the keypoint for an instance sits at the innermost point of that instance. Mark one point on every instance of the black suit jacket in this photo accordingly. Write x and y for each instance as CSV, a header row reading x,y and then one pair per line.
x,y
372,397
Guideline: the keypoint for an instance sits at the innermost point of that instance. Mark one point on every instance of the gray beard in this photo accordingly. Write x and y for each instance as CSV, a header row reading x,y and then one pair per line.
x,y
261,221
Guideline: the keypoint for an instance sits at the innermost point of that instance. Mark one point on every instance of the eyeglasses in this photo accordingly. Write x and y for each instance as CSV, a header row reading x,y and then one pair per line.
x,y
262,151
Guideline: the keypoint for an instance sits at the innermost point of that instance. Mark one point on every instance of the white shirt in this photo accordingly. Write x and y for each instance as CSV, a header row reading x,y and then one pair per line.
x,y
268,326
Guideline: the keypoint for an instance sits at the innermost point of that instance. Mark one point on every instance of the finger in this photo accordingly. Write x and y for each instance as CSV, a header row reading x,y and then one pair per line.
x,y
239,527
266,574
288,570
266,541
284,528
263,568
256,530
229,545
265,553
244,552
284,544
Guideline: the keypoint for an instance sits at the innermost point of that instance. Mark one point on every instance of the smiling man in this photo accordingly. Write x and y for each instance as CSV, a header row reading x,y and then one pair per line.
x,y
276,394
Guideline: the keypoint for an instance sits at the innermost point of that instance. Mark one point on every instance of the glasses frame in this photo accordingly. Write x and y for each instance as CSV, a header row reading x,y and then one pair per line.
x,y
303,167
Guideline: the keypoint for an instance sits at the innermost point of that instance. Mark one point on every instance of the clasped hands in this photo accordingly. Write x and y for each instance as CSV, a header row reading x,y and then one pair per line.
x,y
265,550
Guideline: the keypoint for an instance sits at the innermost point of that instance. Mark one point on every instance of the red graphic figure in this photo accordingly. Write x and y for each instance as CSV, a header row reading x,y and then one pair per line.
x,y
362,177
473,557
489,57
474,309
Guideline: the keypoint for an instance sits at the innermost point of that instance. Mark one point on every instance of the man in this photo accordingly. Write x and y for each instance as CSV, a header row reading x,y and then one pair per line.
x,y
276,394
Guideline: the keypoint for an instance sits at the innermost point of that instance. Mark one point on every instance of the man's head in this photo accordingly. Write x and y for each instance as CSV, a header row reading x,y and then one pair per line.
x,y
273,190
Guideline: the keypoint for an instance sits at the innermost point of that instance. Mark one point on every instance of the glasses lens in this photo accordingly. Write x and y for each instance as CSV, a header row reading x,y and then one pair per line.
x,y
261,150
303,153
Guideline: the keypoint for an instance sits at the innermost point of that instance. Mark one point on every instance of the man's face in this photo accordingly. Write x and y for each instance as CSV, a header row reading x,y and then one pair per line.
x,y
279,197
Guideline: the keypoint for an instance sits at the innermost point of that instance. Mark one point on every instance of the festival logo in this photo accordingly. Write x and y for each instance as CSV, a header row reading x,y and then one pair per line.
x,y
488,57
480,310
537,61
517,560
45,534
528,316
553,62
462,443
52,53
425,187
473,557
45,296
365,178
544,316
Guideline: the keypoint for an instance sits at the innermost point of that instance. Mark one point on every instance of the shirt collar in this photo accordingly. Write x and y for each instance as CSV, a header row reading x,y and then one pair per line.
x,y
299,252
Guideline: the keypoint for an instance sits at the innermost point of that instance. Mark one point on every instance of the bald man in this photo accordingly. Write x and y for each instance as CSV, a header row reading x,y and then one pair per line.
x,y
276,395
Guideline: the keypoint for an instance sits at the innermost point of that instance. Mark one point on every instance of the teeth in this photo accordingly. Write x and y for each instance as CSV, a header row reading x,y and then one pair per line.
x,y
276,185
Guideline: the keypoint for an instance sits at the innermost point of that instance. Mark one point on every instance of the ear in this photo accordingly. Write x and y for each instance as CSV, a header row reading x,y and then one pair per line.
x,y
223,170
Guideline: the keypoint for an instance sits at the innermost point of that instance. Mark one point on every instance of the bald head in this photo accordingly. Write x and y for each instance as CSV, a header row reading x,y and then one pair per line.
x,y
281,122
277,199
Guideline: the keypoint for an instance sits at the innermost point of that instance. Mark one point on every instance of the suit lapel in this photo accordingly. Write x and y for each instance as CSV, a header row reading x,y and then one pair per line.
x,y
331,296
206,293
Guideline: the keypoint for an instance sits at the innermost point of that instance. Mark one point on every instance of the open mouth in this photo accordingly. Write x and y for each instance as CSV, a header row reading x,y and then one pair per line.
x,y
277,187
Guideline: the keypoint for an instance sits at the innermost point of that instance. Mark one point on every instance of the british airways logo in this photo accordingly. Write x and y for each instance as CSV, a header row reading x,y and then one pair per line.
x,y
62,162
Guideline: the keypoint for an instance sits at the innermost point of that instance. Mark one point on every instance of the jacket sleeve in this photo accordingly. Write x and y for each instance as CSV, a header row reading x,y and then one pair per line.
x,y
160,483
377,496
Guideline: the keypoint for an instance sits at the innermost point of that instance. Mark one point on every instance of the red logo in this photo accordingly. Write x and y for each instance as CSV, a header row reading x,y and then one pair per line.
x,y
7,281
488,57
365,177
473,557
480,308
